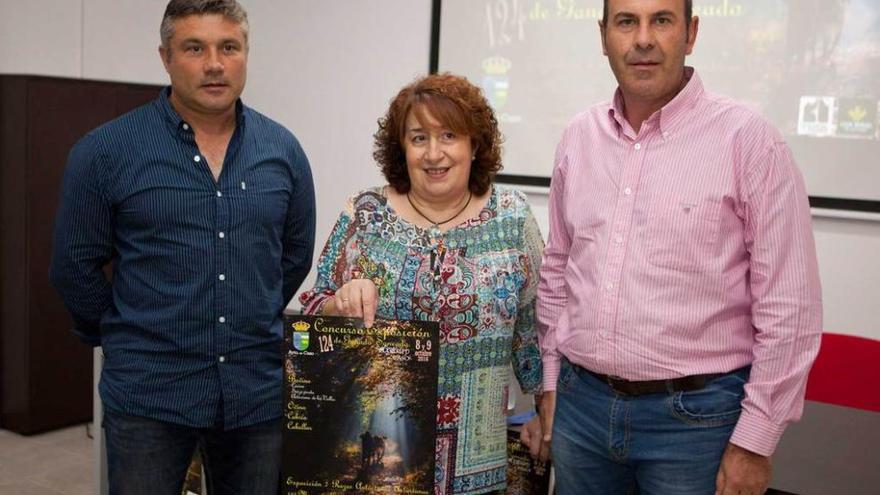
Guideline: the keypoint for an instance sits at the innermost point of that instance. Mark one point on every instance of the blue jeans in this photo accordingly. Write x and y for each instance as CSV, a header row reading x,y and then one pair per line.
x,y
148,457
665,443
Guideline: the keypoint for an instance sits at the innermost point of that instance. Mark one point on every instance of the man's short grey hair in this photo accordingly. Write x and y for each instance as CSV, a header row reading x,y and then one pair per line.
x,y
176,9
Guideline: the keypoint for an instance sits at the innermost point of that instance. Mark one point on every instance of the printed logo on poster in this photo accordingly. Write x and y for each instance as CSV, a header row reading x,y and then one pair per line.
x,y
816,116
301,335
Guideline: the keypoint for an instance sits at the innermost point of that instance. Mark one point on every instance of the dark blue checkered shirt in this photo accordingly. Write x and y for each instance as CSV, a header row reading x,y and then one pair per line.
x,y
202,269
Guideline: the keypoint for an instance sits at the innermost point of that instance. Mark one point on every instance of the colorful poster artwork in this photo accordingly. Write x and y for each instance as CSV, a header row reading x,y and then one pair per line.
x,y
360,406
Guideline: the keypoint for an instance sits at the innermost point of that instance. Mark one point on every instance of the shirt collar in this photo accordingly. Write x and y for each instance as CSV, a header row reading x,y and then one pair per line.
x,y
178,125
672,113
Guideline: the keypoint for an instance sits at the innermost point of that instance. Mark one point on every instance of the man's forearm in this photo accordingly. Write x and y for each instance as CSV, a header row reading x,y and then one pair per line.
x,y
86,302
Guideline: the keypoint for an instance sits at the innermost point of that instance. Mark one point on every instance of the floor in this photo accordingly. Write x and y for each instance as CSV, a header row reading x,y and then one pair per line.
x,y
54,463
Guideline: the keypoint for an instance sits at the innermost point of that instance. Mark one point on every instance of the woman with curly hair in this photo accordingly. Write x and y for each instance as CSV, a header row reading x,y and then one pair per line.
x,y
441,243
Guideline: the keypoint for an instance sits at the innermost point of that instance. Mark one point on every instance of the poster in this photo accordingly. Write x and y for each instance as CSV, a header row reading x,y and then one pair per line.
x,y
360,406
525,475
192,484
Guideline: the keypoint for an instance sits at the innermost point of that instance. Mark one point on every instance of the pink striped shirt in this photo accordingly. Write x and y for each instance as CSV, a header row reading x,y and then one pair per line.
x,y
684,249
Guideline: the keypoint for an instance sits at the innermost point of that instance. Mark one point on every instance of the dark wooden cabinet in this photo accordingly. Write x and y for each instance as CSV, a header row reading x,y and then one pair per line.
x,y
45,371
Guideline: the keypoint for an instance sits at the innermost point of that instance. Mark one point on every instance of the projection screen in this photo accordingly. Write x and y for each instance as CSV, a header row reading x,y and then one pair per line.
x,y
812,67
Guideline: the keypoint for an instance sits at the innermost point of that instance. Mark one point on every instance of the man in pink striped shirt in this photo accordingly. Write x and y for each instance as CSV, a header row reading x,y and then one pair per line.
x,y
679,302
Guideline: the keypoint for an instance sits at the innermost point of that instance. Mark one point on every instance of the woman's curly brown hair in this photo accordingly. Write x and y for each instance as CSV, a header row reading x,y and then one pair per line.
x,y
459,106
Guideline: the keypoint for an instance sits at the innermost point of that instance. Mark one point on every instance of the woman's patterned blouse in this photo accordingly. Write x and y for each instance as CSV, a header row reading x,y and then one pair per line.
x,y
479,280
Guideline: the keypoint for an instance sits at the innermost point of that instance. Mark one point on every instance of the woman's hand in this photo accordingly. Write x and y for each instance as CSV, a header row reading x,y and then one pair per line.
x,y
356,299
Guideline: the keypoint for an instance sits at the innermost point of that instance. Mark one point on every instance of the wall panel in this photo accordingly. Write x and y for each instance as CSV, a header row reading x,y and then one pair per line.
x,y
121,40
41,37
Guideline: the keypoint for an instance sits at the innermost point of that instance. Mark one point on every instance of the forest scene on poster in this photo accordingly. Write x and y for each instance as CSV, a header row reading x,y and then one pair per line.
x,y
360,406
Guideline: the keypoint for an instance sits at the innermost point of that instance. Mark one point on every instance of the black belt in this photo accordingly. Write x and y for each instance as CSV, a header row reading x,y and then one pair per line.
x,y
643,387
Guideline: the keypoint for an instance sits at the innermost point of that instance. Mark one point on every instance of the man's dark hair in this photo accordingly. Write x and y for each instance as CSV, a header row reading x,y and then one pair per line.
x,y
688,12
176,9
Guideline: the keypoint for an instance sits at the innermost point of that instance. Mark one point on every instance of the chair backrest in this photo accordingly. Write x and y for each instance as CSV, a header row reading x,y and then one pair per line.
x,y
846,372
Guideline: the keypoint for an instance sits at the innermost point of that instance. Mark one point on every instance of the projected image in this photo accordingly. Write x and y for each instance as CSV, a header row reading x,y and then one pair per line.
x,y
810,66
832,64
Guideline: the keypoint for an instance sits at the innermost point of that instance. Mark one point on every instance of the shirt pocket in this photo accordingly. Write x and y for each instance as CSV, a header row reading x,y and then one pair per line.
x,y
265,193
683,233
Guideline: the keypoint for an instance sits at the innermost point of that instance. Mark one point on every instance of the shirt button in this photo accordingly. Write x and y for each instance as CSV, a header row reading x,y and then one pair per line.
x,y
627,191
219,194
609,286
222,277
185,126
221,235
638,146
222,359
619,239
222,319
197,158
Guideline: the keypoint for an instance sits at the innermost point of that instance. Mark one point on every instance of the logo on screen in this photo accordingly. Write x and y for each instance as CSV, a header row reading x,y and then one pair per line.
x,y
495,82
816,116
858,117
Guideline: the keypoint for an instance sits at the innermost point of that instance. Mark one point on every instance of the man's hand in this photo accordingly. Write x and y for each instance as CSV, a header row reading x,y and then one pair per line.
x,y
742,472
531,436
356,299
546,403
